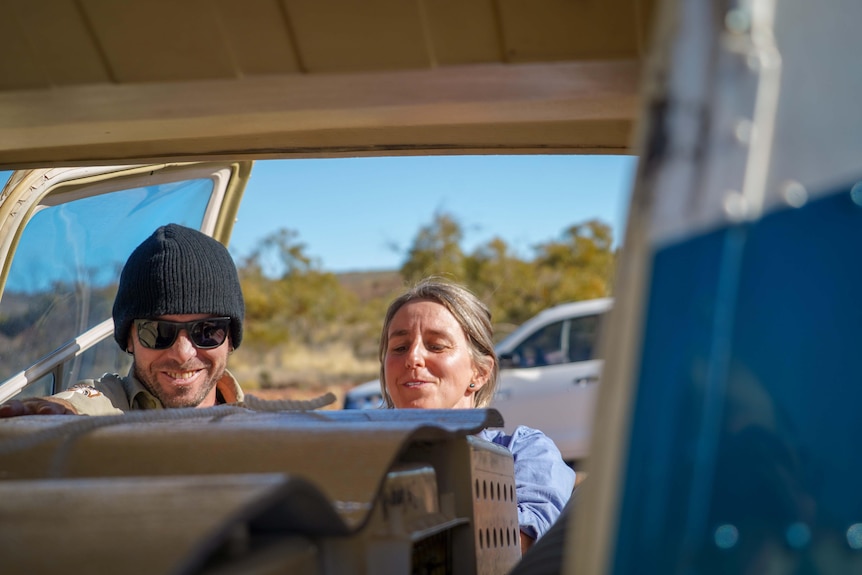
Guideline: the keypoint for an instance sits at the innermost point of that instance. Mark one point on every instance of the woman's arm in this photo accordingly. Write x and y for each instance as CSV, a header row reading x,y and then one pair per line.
x,y
543,481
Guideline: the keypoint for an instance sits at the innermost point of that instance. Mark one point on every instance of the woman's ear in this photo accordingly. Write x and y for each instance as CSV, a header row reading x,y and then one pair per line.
x,y
481,373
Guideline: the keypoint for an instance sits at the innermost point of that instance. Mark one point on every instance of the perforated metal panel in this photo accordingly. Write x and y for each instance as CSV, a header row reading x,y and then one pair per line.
x,y
495,517
336,492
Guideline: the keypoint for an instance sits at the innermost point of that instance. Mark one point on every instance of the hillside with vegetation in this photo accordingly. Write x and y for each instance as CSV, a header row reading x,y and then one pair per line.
x,y
308,330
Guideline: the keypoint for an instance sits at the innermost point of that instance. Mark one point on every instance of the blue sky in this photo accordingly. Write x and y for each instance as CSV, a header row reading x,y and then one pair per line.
x,y
363,213
356,214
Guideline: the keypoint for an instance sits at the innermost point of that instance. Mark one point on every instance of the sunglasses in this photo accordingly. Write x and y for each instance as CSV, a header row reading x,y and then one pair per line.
x,y
206,333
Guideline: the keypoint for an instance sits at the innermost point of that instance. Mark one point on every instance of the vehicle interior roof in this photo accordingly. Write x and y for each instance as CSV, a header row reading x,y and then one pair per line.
x,y
104,82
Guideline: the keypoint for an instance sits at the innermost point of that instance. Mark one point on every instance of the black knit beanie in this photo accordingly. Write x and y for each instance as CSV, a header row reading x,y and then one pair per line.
x,y
178,270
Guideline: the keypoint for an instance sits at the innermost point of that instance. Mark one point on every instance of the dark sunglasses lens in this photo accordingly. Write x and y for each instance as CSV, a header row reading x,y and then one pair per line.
x,y
204,333
157,334
209,333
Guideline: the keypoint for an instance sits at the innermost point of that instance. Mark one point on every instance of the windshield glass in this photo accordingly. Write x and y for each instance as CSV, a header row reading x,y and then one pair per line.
x,y
63,278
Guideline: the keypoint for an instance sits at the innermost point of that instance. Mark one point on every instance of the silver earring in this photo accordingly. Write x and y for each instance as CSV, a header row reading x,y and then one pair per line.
x,y
472,385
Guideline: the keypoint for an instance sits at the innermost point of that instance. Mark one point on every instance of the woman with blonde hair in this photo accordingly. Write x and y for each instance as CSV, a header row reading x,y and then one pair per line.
x,y
437,352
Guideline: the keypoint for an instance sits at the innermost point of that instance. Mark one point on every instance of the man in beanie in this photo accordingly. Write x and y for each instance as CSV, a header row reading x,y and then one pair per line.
x,y
179,311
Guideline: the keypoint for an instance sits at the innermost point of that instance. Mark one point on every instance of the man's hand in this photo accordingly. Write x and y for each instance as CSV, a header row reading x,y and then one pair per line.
x,y
37,406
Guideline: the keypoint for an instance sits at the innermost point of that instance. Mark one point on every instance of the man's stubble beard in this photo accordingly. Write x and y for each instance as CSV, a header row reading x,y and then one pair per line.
x,y
179,401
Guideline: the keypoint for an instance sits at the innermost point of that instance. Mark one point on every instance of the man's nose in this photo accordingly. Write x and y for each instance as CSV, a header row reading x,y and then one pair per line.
x,y
183,346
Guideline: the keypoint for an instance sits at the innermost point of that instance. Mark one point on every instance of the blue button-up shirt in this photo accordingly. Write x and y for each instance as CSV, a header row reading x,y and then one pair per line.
x,y
543,481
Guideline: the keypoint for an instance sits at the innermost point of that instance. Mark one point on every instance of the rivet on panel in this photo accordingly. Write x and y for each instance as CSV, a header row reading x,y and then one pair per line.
x,y
737,21
743,130
794,193
854,536
735,205
754,62
726,536
798,535
856,193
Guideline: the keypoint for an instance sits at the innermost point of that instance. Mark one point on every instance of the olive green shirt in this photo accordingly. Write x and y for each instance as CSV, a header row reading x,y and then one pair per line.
x,y
113,394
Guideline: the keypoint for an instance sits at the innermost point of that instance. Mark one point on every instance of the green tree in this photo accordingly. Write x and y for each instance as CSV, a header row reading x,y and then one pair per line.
x,y
302,304
436,250
290,301
578,266
504,281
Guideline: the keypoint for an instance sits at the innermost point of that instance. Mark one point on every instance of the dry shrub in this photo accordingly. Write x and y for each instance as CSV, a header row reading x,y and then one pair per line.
x,y
301,367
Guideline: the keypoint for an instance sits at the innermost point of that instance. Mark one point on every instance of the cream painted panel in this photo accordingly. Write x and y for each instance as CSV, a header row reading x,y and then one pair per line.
x,y
19,68
581,108
337,36
463,31
161,40
264,21
542,30
62,47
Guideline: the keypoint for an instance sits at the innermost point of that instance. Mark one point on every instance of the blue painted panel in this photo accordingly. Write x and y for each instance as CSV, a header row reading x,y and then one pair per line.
x,y
749,398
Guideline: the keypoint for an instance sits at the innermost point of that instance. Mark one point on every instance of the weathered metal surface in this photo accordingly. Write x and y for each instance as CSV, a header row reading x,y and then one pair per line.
x,y
190,490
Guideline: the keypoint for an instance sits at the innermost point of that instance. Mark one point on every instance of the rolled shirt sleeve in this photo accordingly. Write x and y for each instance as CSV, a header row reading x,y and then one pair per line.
x,y
105,396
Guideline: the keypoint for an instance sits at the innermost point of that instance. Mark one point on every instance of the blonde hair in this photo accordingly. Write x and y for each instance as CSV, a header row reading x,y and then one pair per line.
x,y
472,315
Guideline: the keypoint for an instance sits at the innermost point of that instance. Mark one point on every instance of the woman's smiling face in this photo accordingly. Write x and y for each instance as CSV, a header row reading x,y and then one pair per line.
x,y
428,362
